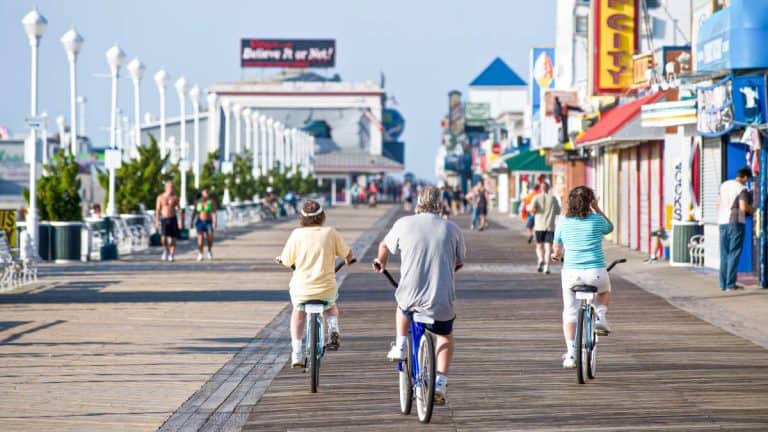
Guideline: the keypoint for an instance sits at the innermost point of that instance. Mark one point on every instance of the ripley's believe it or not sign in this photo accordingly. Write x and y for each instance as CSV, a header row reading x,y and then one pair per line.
x,y
288,53
615,42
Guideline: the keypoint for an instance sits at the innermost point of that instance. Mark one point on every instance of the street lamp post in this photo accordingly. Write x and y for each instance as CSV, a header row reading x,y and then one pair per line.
x,y
136,69
181,89
72,42
194,96
115,58
34,26
161,80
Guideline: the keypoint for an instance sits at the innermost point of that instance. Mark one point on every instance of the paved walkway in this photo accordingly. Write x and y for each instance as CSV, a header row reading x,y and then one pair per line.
x,y
663,369
120,346
694,290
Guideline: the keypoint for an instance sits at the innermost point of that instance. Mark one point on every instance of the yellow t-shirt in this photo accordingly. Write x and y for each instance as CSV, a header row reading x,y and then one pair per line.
x,y
313,250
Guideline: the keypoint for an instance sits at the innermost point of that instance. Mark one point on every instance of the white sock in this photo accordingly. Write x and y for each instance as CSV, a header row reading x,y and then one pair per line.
x,y
402,341
297,345
601,310
441,378
333,323
571,348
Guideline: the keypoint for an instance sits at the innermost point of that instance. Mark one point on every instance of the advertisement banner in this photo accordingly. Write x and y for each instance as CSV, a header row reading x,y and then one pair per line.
x,y
677,58
641,64
542,72
567,97
715,109
615,41
288,53
8,225
749,99
455,117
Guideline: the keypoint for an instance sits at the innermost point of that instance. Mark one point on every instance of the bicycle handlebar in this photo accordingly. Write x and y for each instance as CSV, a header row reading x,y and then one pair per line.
x,y
618,261
389,276
336,269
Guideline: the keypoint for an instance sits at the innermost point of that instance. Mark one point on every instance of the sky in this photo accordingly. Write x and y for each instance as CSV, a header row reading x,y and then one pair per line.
x,y
425,48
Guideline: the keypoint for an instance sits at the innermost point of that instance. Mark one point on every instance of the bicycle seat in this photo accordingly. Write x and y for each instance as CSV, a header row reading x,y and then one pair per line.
x,y
317,302
584,288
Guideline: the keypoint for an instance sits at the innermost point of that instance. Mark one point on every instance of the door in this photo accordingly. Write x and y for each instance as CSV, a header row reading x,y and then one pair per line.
x,y
634,199
711,177
736,158
624,198
656,190
644,177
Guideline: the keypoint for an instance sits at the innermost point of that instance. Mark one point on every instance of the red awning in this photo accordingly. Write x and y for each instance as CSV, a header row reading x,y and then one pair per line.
x,y
616,119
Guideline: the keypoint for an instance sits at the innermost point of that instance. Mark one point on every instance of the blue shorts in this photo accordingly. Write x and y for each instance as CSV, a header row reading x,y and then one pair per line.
x,y
443,328
204,226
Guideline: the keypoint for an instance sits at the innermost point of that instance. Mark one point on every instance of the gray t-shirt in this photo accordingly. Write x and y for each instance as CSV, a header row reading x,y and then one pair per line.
x,y
547,209
430,249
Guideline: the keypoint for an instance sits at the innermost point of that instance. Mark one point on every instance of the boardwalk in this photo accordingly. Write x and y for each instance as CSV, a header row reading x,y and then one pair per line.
x,y
662,369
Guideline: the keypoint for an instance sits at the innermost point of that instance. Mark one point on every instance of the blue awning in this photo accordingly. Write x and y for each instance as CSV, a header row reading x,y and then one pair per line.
x,y
734,38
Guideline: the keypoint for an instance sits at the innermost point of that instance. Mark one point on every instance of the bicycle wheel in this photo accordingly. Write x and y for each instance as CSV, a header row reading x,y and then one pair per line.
x,y
592,345
425,387
580,347
406,386
314,352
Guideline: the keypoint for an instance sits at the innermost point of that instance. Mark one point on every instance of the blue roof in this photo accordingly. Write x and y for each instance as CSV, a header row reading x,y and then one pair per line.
x,y
498,73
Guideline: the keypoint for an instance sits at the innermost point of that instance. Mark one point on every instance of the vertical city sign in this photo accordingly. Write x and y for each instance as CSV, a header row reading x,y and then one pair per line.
x,y
615,41
455,118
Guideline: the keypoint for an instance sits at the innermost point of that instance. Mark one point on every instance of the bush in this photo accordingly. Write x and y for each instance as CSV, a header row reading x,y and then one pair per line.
x,y
58,190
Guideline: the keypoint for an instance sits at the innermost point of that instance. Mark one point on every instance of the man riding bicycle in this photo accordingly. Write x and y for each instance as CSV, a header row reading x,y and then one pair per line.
x,y
432,250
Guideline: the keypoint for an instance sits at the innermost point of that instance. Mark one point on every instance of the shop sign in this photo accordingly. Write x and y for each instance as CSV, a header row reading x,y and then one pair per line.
x,y
542,70
614,43
8,225
455,117
677,59
663,114
288,53
642,66
749,99
715,108
477,113
567,97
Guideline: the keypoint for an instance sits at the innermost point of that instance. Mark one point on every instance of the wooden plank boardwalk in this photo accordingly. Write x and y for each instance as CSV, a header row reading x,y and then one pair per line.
x,y
662,369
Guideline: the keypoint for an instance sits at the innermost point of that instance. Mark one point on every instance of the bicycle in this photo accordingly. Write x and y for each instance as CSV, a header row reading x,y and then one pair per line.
x,y
314,335
587,334
417,372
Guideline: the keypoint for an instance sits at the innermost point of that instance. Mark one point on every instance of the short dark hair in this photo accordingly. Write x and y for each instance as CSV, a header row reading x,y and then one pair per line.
x,y
309,207
580,202
744,172
545,187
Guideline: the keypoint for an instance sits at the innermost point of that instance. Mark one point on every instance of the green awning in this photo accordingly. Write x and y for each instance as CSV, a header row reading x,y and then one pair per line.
x,y
530,161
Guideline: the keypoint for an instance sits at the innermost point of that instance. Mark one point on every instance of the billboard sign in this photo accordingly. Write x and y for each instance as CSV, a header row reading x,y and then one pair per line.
x,y
614,42
542,72
455,118
288,53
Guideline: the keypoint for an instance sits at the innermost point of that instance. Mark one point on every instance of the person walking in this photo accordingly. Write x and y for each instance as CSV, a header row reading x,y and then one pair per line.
x,y
204,215
545,208
734,203
167,220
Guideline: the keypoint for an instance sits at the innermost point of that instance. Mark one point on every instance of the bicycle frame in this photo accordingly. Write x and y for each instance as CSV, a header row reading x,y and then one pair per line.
x,y
317,316
417,331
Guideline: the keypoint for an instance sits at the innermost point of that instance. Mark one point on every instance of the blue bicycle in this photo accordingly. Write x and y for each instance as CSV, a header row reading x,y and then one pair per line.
x,y
417,372
587,334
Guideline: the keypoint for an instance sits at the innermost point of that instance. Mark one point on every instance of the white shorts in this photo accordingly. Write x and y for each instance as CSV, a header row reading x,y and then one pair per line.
x,y
597,277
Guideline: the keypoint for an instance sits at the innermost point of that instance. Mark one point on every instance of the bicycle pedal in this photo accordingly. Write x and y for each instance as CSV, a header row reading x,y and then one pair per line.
x,y
439,400
602,332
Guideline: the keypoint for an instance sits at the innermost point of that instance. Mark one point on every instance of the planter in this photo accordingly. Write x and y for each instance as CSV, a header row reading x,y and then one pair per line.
x,y
66,239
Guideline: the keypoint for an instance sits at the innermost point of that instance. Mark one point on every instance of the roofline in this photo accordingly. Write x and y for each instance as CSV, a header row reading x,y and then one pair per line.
x,y
299,93
357,167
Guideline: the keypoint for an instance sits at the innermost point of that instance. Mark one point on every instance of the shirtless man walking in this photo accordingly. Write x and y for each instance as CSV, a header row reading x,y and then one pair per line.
x,y
166,220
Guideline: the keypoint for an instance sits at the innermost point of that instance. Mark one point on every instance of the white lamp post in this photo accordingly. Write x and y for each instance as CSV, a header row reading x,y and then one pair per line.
x,y
225,105
194,96
237,111
136,70
181,89
72,42
213,118
247,119
115,58
263,169
34,26
270,144
255,121
161,80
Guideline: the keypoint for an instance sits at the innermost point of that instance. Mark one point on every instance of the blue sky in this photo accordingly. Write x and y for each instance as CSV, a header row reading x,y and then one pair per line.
x,y
425,48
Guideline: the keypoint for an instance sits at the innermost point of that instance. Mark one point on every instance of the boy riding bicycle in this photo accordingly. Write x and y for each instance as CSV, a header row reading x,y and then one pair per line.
x,y
581,233
432,250
312,249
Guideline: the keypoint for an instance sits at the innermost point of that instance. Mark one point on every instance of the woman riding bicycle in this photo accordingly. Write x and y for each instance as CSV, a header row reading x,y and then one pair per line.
x,y
312,250
581,233
204,216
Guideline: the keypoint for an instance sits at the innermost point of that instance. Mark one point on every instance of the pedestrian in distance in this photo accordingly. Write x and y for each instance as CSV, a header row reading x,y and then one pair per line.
x,y
432,250
658,238
733,205
167,221
545,209
312,251
407,196
580,233
529,218
205,220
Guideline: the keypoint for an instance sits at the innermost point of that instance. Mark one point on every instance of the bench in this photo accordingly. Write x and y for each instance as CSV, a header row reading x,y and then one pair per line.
x,y
696,250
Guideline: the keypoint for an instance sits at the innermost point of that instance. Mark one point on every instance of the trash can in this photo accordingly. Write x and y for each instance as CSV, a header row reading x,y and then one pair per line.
x,y
66,240
108,250
515,206
45,244
682,231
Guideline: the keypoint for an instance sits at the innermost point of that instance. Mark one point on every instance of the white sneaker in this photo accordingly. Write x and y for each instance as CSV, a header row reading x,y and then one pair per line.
x,y
210,256
171,258
164,257
199,257
441,389
396,353
569,361
601,324
297,359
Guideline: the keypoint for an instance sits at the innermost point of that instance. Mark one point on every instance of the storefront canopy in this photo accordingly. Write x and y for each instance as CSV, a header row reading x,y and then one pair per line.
x,y
622,124
734,38
530,161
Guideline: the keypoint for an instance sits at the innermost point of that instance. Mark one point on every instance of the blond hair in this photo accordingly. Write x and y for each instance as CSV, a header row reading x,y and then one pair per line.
x,y
429,200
